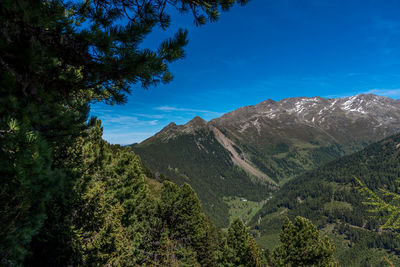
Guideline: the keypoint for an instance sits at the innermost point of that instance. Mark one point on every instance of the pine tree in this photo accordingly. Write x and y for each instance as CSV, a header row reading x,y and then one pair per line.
x,y
241,249
182,214
170,254
25,186
57,57
301,244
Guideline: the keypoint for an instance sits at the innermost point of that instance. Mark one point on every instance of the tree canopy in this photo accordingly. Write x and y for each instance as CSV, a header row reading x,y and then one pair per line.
x,y
57,57
302,245
91,49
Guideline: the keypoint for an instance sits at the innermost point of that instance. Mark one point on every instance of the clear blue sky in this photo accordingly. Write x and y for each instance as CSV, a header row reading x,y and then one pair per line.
x,y
266,49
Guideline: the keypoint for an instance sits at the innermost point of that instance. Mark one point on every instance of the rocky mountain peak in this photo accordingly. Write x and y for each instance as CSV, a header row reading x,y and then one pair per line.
x,y
196,122
165,132
266,102
173,130
170,125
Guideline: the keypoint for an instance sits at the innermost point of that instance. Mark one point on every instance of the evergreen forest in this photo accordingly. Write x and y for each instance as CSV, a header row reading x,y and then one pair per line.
x,y
70,198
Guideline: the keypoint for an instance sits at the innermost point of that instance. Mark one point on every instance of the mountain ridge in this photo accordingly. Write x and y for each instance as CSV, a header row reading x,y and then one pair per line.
x,y
298,107
267,144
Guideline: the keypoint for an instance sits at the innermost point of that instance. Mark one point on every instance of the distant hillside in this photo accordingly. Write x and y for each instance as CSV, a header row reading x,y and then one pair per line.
x,y
253,150
330,198
200,160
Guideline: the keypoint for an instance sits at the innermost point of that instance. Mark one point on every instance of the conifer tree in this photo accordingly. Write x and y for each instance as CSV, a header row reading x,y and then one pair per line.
x,y
25,186
301,244
182,214
241,249
57,57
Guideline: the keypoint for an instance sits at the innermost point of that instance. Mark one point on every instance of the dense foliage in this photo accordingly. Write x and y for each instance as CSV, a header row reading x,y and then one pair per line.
x,y
113,218
210,170
329,196
385,204
240,248
301,245
67,197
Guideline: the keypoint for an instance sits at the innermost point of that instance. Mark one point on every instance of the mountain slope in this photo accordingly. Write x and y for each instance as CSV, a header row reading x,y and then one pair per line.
x,y
200,160
253,150
330,198
287,137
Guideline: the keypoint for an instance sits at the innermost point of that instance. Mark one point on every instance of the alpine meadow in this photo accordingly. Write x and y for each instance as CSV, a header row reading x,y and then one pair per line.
x,y
199,133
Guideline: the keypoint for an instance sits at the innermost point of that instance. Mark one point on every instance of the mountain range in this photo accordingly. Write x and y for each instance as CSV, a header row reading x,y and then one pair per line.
x,y
253,151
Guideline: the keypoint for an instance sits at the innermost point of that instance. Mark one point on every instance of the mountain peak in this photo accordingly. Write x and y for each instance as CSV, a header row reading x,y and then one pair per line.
x,y
169,126
196,122
269,101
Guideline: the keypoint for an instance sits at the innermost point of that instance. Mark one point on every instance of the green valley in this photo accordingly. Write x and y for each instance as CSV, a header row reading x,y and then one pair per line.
x,y
330,197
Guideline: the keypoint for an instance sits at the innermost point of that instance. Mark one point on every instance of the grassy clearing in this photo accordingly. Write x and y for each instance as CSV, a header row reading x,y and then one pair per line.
x,y
242,208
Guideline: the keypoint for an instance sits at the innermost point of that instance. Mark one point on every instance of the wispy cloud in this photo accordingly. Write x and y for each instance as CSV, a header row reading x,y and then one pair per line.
x,y
394,93
150,116
126,121
169,109
384,92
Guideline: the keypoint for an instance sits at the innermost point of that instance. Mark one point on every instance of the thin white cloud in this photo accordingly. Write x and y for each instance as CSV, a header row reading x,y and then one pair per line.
x,y
169,109
127,121
393,93
150,116
384,92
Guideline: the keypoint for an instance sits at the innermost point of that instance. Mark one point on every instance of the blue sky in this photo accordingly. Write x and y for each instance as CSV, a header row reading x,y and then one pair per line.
x,y
266,49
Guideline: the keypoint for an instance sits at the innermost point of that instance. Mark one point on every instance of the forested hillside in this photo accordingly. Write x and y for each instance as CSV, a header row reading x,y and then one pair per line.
x,y
208,170
330,197
251,151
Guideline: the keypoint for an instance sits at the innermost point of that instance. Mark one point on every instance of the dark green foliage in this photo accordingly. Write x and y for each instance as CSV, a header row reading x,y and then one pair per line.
x,y
182,216
385,204
329,196
114,219
302,245
210,171
57,57
240,248
26,184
